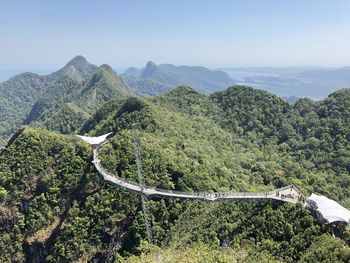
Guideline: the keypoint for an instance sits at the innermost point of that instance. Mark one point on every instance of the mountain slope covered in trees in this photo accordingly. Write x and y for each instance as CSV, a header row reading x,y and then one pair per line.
x,y
55,207
68,103
61,101
18,96
155,79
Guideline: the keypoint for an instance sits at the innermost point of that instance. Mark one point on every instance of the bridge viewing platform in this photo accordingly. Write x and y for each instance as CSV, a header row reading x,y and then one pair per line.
x,y
326,209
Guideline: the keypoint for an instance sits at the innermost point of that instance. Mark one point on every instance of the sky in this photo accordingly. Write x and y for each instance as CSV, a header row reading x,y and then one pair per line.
x,y
40,35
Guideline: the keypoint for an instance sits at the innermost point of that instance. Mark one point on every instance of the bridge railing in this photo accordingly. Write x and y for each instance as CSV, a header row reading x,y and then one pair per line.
x,y
183,193
145,189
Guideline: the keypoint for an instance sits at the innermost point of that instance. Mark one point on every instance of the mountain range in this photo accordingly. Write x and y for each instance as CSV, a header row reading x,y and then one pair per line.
x,y
73,96
54,207
154,79
60,101
64,100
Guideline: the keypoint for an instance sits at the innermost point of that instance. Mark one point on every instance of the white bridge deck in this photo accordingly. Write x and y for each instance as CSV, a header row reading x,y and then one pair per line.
x,y
328,209
286,194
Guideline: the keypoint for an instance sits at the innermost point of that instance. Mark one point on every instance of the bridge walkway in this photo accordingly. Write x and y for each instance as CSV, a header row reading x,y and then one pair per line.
x,y
289,193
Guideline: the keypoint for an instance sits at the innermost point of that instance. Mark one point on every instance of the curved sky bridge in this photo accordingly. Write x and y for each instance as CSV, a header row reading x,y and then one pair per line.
x,y
326,208
286,194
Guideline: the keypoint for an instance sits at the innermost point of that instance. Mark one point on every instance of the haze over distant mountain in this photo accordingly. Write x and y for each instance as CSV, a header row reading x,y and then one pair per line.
x,y
154,79
313,82
269,71
339,74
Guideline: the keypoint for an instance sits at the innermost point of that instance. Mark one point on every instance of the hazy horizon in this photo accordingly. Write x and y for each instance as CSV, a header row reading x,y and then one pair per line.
x,y
8,72
214,34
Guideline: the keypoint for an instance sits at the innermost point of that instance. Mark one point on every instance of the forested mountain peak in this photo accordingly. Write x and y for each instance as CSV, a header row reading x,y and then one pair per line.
x,y
78,69
183,91
256,111
249,99
104,85
103,71
106,77
337,107
149,69
155,79
106,67
189,101
79,62
242,90
341,93
71,96
132,71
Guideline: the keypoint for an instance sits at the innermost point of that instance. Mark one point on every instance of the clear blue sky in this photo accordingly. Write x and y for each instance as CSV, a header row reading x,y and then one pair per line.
x,y
213,33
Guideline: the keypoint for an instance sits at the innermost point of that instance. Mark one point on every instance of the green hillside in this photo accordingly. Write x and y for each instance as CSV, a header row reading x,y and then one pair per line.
x,y
26,96
18,96
70,95
104,85
155,79
61,101
69,102
55,207
78,68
